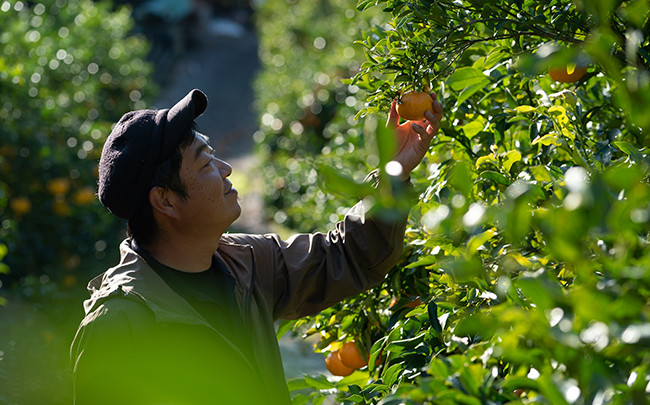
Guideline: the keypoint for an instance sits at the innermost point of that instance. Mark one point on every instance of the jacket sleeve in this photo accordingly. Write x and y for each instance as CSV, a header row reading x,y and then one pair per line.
x,y
310,272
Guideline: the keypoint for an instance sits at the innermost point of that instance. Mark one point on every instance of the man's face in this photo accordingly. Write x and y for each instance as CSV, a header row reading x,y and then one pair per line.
x,y
211,200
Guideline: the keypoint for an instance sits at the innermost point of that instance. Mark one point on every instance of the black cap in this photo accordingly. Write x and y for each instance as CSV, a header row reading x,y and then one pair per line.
x,y
138,143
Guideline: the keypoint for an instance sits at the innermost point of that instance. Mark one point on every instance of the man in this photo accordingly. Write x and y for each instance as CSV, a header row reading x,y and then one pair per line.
x,y
187,315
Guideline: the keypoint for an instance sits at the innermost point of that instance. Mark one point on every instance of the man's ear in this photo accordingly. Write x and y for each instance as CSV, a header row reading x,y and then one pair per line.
x,y
162,201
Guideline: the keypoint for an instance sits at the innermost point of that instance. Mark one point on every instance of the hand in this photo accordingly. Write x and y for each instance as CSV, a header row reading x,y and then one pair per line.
x,y
413,137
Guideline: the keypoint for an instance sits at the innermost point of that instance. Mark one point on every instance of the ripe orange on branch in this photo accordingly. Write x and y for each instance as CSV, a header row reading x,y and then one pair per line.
x,y
20,205
58,186
335,365
413,104
569,73
351,357
84,196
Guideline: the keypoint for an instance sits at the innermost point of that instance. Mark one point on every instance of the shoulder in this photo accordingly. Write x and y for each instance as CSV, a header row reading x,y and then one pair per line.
x,y
261,245
117,313
249,238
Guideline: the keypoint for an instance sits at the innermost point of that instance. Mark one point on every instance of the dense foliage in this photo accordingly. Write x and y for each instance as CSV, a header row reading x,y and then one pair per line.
x,y
527,248
68,69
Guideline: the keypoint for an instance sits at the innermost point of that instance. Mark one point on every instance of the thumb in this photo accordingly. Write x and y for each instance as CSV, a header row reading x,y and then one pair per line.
x,y
393,117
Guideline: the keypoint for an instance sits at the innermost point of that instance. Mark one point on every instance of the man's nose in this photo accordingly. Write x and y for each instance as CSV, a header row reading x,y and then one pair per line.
x,y
224,168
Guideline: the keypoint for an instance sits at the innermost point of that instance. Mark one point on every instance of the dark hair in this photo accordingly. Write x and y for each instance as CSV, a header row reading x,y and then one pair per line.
x,y
142,227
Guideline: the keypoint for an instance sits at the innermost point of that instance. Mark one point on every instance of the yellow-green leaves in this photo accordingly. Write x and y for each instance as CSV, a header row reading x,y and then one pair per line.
x,y
478,240
547,139
523,109
510,158
474,127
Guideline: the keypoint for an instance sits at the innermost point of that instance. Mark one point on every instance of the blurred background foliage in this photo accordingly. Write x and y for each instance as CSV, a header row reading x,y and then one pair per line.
x,y
525,272
68,70
306,111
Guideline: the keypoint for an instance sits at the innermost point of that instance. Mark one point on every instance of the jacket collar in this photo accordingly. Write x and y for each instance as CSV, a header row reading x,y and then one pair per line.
x,y
134,278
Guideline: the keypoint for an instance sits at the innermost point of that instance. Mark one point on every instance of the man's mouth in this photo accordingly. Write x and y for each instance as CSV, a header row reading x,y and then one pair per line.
x,y
230,188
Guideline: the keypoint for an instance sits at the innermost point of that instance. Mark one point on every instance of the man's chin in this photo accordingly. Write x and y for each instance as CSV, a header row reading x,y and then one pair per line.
x,y
237,212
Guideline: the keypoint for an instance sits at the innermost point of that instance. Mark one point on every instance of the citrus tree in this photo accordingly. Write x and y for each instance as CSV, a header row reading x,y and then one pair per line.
x,y
68,69
525,272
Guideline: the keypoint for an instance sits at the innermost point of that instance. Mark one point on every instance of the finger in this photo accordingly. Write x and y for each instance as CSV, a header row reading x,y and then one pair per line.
x,y
437,110
393,117
434,126
437,107
434,122
426,136
431,117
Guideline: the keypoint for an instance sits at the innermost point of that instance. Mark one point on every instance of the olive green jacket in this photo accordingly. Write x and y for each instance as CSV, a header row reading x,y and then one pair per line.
x,y
142,343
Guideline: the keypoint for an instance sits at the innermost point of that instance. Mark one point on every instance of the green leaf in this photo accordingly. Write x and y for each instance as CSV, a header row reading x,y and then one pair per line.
x,y
318,383
469,91
465,270
478,324
540,288
284,326
359,377
471,377
399,346
486,159
301,399
510,158
540,173
622,177
495,177
457,397
628,149
355,398
466,77
558,111
338,183
548,139
392,373
472,128
422,261
460,177
376,351
439,368
477,241
522,109
512,383
296,384
386,142
550,391
493,57
432,310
